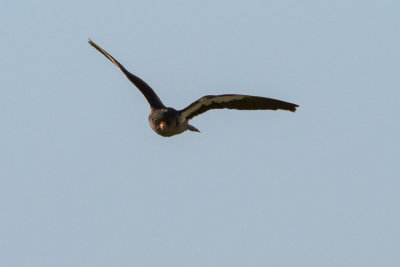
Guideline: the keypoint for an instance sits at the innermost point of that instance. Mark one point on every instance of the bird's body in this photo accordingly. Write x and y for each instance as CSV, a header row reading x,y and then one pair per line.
x,y
167,121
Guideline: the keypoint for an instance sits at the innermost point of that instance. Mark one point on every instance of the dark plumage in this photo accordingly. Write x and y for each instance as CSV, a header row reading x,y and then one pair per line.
x,y
167,121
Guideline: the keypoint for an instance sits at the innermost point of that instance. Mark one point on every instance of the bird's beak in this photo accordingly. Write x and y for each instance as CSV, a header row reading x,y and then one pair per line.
x,y
162,125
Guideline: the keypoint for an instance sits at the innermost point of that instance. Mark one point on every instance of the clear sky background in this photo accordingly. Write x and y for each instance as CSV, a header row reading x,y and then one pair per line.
x,y
84,181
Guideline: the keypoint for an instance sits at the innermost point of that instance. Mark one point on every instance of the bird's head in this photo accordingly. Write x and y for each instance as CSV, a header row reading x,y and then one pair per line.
x,y
161,121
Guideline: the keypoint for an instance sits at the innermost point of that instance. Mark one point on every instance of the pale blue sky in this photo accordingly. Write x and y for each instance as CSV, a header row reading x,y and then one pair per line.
x,y
86,182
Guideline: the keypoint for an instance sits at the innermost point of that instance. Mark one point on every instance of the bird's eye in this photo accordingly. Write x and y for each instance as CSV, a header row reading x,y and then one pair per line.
x,y
154,121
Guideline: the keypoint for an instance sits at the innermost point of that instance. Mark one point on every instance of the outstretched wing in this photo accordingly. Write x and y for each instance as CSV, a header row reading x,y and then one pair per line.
x,y
242,102
146,90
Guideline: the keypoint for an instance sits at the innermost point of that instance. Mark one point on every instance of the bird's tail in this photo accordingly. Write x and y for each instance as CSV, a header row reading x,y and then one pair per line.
x,y
192,128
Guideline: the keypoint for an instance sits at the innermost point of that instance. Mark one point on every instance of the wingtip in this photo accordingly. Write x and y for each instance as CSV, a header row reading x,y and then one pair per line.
x,y
294,108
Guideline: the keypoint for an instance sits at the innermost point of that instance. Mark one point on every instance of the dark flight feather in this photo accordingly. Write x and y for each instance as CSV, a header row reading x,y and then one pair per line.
x,y
233,101
146,90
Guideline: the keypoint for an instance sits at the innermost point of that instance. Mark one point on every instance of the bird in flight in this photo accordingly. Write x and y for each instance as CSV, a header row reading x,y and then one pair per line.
x,y
167,121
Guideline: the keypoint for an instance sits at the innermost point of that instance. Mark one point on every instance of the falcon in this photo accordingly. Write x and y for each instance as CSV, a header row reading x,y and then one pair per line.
x,y
167,121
